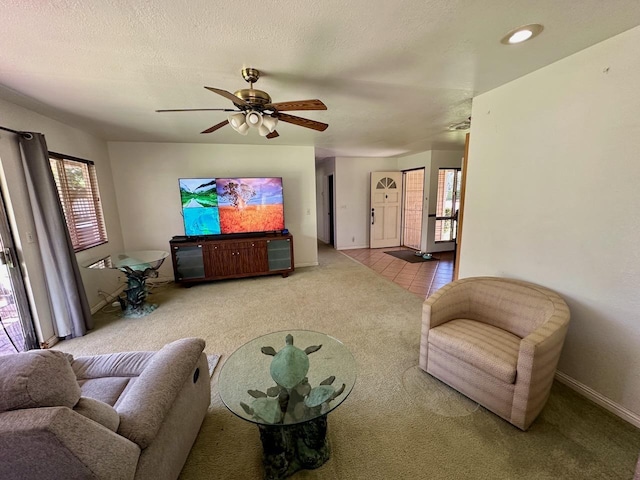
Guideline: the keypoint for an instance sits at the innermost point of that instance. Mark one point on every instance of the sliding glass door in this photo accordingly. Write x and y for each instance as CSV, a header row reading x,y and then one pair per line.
x,y
16,326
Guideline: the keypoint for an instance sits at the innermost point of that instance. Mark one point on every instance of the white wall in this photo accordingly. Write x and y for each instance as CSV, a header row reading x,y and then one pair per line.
x,y
353,186
552,197
146,182
60,138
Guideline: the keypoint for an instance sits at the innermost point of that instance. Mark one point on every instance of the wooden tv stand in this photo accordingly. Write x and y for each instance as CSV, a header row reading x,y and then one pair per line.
x,y
205,259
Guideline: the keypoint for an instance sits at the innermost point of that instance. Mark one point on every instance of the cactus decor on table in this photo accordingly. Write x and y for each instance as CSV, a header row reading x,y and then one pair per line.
x,y
292,415
292,399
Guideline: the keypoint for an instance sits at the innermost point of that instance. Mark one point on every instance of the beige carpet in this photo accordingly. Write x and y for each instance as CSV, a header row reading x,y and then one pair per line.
x,y
398,423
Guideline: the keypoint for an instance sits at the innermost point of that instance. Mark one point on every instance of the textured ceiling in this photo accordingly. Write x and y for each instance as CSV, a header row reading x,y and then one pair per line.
x,y
394,75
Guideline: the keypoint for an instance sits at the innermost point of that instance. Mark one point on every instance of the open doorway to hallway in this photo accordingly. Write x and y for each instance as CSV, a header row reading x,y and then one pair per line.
x,y
330,212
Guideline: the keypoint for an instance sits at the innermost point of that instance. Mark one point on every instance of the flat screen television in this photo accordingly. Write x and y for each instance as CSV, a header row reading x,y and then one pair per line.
x,y
221,206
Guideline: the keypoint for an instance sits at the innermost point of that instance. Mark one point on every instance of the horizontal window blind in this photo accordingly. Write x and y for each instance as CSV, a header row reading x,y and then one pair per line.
x,y
80,199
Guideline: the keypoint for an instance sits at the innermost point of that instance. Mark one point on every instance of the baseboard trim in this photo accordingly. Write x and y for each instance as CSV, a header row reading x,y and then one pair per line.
x,y
599,399
102,303
49,343
165,280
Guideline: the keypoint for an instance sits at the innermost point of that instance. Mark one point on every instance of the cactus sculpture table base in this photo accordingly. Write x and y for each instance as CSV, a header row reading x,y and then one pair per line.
x,y
133,301
137,266
288,396
289,448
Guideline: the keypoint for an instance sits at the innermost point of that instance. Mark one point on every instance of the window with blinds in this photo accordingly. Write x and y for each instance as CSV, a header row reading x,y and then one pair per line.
x,y
80,199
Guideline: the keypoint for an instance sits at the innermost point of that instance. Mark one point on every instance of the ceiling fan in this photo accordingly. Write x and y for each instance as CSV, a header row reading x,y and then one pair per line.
x,y
255,110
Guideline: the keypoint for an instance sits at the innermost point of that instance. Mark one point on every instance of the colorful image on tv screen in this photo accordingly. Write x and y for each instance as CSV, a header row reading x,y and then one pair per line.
x,y
213,206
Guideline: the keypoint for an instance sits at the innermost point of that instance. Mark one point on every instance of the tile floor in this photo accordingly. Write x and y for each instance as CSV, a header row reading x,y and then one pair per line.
x,y
422,278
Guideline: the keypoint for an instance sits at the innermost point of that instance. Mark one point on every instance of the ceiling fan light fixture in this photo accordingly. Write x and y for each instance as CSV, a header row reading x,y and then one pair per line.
x,y
254,119
257,111
269,122
263,130
237,120
238,123
464,125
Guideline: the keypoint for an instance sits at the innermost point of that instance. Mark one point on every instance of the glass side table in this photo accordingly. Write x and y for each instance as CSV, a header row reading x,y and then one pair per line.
x,y
137,266
287,383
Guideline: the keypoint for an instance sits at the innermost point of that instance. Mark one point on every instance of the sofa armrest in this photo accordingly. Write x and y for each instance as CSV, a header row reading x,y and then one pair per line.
x,y
56,442
99,412
539,355
448,303
145,405
122,364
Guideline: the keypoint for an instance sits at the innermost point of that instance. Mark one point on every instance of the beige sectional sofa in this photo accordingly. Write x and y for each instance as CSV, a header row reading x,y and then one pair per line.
x,y
131,415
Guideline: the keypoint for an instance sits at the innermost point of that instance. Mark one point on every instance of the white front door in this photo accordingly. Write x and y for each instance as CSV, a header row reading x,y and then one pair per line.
x,y
386,196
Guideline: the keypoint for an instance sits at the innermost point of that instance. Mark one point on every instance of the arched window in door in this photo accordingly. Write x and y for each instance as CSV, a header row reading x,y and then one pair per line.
x,y
386,182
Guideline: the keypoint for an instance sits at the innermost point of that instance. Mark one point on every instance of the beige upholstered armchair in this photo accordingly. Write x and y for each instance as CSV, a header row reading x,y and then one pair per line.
x,y
497,341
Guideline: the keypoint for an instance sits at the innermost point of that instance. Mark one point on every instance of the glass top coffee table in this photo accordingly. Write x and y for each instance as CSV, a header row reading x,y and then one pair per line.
x,y
137,266
287,382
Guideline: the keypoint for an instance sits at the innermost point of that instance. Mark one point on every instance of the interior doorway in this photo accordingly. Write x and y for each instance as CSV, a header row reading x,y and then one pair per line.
x,y
330,211
412,208
16,326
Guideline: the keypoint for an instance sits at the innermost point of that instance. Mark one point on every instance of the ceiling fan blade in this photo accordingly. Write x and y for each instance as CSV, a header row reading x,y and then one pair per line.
x,y
200,110
297,105
228,95
303,122
273,134
215,127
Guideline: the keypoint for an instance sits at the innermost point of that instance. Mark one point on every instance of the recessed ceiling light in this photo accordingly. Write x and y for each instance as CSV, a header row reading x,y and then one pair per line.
x,y
522,34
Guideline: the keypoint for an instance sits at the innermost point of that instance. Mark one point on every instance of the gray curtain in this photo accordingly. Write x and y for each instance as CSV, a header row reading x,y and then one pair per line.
x,y
67,297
